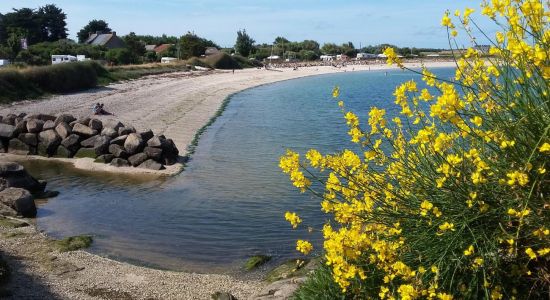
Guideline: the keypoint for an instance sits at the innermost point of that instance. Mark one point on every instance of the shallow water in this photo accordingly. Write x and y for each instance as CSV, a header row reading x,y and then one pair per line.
x,y
230,201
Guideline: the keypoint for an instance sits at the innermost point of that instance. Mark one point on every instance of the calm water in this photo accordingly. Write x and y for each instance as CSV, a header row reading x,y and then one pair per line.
x,y
230,201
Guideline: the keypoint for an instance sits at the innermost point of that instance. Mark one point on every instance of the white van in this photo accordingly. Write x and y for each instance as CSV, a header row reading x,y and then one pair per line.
x,y
61,59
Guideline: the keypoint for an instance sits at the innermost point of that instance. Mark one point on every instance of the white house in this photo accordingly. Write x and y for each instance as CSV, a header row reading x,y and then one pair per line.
x,y
61,59
362,55
167,60
327,57
4,62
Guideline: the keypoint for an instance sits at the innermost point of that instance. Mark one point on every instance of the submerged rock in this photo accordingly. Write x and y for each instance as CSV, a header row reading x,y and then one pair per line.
x,y
15,175
20,200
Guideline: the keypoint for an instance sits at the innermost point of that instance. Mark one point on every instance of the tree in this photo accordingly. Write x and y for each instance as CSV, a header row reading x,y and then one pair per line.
x,y
119,56
244,44
134,45
52,23
330,49
93,27
24,20
193,45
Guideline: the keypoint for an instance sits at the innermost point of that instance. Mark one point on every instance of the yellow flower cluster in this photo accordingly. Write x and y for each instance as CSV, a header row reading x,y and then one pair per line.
x,y
457,184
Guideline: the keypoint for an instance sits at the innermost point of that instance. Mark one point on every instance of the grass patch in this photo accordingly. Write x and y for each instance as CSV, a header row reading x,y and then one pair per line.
x,y
73,243
319,285
292,268
129,72
256,261
15,234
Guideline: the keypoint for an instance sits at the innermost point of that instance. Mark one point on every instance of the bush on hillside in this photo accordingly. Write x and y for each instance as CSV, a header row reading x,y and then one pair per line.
x,y
195,61
222,61
449,199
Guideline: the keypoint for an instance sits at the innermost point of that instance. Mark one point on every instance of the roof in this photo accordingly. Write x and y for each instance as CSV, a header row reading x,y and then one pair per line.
x,y
162,48
150,47
99,39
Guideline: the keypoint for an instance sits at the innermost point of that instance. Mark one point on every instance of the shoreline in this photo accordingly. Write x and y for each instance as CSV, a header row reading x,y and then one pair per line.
x,y
178,105
183,115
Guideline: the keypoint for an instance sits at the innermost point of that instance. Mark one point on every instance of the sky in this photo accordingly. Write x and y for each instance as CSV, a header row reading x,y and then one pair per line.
x,y
362,22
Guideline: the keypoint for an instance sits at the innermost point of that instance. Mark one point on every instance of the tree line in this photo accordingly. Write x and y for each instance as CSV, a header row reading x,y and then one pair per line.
x,y
45,32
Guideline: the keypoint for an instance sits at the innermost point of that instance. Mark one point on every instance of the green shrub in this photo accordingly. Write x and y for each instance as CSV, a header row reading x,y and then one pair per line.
x,y
222,61
13,85
318,286
63,77
74,243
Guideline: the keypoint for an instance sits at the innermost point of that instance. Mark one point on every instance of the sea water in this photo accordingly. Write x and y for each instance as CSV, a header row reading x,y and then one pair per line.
x,y
230,201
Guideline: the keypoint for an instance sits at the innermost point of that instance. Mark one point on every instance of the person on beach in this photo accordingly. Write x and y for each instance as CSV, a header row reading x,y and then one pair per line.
x,y
99,110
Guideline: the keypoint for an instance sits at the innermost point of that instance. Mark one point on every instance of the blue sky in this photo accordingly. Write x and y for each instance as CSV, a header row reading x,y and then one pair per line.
x,y
400,22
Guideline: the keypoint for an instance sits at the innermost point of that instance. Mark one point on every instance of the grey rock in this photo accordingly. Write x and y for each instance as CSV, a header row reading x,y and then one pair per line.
x,y
18,147
16,176
119,162
49,139
156,141
119,140
35,125
151,165
223,296
48,125
126,130
71,142
21,127
20,200
30,139
133,143
63,129
147,135
137,159
110,132
83,130
95,124
118,151
62,152
83,121
42,117
7,211
7,131
64,118
99,143
114,124
153,153
9,119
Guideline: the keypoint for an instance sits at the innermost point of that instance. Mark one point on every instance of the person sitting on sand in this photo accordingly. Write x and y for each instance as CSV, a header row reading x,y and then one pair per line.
x,y
99,110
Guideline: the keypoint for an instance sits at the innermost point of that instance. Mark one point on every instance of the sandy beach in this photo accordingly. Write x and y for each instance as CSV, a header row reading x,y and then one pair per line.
x,y
176,105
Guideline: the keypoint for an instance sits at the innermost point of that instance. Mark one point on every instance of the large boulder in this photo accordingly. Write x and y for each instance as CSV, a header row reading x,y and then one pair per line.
x,y
9,119
83,121
95,124
16,146
30,139
50,140
7,131
126,130
63,152
48,125
151,165
64,118
133,144
35,125
20,200
71,142
42,117
153,153
147,135
110,132
137,159
99,143
16,176
104,159
113,124
20,127
63,129
83,130
156,141
118,151
119,140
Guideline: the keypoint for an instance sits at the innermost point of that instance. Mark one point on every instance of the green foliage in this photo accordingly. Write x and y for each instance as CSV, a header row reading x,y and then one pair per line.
x,y
256,261
222,61
74,243
193,45
244,44
318,286
33,82
135,46
46,23
52,23
40,54
120,56
92,27
157,40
